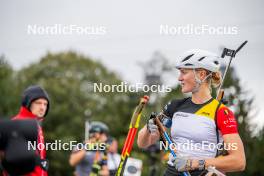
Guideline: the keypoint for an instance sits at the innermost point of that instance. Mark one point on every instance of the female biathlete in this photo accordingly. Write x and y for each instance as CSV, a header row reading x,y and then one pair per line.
x,y
199,123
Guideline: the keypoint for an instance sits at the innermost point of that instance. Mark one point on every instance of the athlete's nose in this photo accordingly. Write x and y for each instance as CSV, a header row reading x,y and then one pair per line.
x,y
180,78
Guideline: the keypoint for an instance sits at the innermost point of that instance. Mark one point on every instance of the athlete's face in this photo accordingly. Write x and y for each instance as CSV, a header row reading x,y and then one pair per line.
x,y
39,107
187,80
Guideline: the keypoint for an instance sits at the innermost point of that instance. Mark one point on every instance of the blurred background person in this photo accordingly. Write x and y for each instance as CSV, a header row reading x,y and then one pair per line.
x,y
92,161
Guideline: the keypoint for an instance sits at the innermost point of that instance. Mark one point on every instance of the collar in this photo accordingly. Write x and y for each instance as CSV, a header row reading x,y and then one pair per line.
x,y
24,113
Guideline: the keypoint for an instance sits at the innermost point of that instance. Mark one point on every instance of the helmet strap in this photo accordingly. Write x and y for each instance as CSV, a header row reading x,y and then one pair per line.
x,y
199,82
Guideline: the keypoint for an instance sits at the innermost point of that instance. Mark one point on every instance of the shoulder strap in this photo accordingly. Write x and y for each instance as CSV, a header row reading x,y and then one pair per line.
x,y
216,127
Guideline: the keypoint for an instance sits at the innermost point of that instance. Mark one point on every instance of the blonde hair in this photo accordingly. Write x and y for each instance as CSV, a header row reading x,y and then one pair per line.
x,y
216,79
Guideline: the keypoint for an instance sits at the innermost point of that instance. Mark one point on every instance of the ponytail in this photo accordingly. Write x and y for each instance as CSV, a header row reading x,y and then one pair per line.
x,y
216,79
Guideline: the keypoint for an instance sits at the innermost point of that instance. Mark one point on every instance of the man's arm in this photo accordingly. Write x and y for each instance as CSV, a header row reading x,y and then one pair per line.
x,y
76,157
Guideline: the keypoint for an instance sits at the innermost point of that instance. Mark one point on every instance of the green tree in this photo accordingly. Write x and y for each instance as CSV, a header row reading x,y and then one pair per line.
x,y
7,89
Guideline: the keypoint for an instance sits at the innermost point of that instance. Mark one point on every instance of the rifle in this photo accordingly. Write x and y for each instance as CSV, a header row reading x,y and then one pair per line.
x,y
232,54
166,138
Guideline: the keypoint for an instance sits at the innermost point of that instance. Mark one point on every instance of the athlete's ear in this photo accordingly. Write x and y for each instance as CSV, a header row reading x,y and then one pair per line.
x,y
202,73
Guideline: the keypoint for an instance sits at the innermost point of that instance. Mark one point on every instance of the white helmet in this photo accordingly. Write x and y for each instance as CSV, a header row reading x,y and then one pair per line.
x,y
197,58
